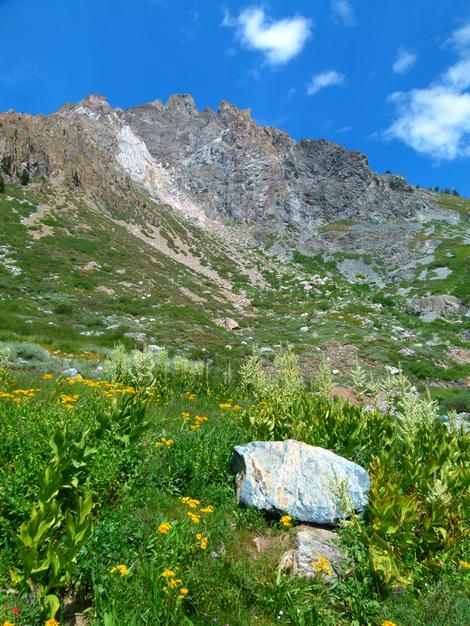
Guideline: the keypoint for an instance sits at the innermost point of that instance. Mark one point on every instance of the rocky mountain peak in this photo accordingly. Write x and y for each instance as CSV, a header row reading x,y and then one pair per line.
x,y
230,113
182,104
93,106
219,165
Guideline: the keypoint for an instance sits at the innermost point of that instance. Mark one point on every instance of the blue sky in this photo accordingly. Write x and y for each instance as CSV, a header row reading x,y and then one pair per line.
x,y
390,78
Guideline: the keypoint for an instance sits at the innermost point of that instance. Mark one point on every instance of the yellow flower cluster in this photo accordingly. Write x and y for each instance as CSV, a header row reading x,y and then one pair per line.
x,y
464,565
286,521
164,528
48,376
173,583
51,622
387,622
69,401
207,509
198,420
108,389
7,623
193,517
203,541
322,566
19,394
228,404
191,502
121,568
164,442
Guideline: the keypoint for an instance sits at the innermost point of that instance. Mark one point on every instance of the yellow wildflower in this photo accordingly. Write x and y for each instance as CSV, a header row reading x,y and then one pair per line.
x,y
193,503
8,624
207,509
387,622
322,566
51,622
192,396
183,592
47,376
194,518
464,564
203,541
195,426
225,405
286,521
185,415
70,380
164,528
121,568
164,442
168,573
200,419
185,499
174,582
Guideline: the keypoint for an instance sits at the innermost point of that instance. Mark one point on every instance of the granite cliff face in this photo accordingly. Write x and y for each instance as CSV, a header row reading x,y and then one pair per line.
x,y
217,168
259,176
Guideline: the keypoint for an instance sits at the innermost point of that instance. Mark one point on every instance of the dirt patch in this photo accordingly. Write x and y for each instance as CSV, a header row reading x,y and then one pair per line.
x,y
460,355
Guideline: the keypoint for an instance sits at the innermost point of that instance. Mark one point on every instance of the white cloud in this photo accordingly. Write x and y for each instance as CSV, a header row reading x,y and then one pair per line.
x,y
280,41
460,38
343,11
325,79
404,61
435,120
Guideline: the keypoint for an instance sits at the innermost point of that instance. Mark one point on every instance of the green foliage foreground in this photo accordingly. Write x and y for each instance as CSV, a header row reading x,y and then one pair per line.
x,y
117,500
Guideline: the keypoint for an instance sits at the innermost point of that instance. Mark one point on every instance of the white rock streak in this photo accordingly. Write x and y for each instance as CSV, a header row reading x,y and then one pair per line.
x,y
134,157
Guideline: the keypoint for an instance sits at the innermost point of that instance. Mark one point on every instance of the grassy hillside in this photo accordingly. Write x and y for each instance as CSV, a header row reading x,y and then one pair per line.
x,y
79,275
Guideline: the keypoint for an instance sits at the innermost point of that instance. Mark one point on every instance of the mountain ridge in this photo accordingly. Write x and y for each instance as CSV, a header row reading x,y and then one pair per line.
x,y
218,165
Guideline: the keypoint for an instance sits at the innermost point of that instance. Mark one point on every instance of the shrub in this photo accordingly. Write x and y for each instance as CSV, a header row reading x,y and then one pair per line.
x,y
24,177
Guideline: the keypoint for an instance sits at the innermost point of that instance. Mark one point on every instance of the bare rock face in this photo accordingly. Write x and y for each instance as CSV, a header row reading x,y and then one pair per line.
x,y
437,305
261,177
215,168
309,483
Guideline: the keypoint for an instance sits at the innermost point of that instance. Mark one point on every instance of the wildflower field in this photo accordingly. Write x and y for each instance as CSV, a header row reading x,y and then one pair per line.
x,y
117,502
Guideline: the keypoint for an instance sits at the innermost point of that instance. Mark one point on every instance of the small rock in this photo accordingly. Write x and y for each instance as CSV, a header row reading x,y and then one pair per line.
x,y
407,352
154,348
70,372
141,337
231,324
317,554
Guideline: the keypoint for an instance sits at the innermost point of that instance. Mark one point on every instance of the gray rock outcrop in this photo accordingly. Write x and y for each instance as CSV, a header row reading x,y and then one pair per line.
x,y
260,176
431,307
310,483
317,553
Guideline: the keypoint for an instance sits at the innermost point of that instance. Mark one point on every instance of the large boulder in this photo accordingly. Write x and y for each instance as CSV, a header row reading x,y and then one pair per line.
x,y
311,484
